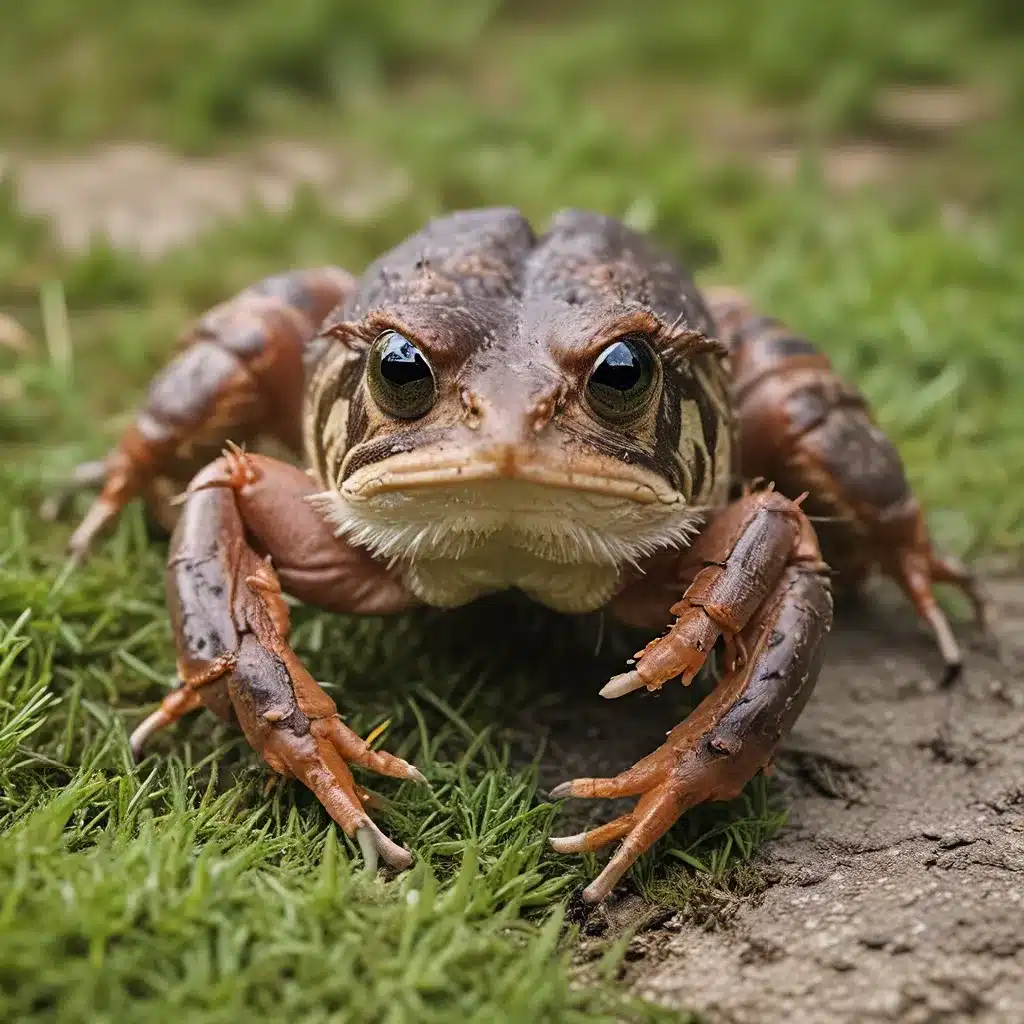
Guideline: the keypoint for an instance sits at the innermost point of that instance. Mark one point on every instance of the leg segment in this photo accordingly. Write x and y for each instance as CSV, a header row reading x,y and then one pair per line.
x,y
806,429
238,375
760,583
231,624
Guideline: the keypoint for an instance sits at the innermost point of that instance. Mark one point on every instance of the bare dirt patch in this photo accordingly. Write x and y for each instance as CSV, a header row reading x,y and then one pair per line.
x,y
913,127
933,108
896,892
146,199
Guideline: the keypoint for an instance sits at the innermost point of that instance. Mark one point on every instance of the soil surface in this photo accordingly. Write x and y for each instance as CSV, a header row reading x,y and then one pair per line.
x,y
896,891
147,199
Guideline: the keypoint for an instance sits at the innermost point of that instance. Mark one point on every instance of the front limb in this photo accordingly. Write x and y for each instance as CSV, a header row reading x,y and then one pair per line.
x,y
231,625
755,578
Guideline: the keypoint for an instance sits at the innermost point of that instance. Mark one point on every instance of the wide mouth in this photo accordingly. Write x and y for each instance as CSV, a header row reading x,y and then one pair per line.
x,y
589,474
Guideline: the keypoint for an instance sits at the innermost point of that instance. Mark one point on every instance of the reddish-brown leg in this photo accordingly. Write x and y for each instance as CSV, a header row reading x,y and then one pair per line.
x,y
905,553
806,429
238,376
245,530
759,582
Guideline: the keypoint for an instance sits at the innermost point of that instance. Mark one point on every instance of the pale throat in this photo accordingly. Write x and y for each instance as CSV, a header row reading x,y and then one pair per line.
x,y
564,548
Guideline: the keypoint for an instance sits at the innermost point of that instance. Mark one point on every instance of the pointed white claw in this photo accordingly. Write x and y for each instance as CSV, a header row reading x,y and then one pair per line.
x,y
368,845
622,684
152,723
397,856
568,844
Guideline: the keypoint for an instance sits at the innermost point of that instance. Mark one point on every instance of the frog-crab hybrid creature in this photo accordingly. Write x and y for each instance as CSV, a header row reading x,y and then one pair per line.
x,y
487,409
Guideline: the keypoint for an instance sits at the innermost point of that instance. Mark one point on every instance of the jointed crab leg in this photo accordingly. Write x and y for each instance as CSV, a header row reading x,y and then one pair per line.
x,y
913,563
239,374
805,428
766,591
231,623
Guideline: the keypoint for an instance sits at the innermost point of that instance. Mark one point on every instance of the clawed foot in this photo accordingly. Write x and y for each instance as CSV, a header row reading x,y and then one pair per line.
x,y
320,759
917,570
772,663
677,776
88,476
293,723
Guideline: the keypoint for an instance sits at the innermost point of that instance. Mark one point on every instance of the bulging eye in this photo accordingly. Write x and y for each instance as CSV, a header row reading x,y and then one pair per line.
x,y
400,379
622,380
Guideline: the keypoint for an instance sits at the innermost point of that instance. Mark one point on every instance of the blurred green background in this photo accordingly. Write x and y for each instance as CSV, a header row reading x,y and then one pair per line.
x,y
856,167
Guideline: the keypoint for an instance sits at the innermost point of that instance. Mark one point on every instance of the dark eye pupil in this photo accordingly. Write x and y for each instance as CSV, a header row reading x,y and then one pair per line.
x,y
619,367
620,383
399,377
402,363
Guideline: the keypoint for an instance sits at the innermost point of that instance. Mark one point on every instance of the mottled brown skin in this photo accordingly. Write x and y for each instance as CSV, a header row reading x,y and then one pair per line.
x,y
514,475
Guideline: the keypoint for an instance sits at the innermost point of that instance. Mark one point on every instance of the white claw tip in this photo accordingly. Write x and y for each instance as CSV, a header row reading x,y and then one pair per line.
x,y
417,776
562,790
568,844
367,843
622,684
397,856
141,733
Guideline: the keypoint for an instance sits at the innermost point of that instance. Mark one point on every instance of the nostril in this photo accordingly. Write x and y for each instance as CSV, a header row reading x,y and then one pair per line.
x,y
544,409
472,410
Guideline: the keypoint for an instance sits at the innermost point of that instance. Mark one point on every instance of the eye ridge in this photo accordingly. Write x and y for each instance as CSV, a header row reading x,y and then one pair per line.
x,y
623,378
400,379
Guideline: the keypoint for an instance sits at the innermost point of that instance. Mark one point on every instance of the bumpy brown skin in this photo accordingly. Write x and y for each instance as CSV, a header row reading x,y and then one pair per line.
x,y
511,324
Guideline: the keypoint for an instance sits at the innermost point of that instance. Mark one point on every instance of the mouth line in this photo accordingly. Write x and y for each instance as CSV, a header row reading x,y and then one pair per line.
x,y
454,473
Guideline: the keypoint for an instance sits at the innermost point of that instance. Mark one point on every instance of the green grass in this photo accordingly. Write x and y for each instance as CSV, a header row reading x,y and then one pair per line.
x,y
212,70
180,887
